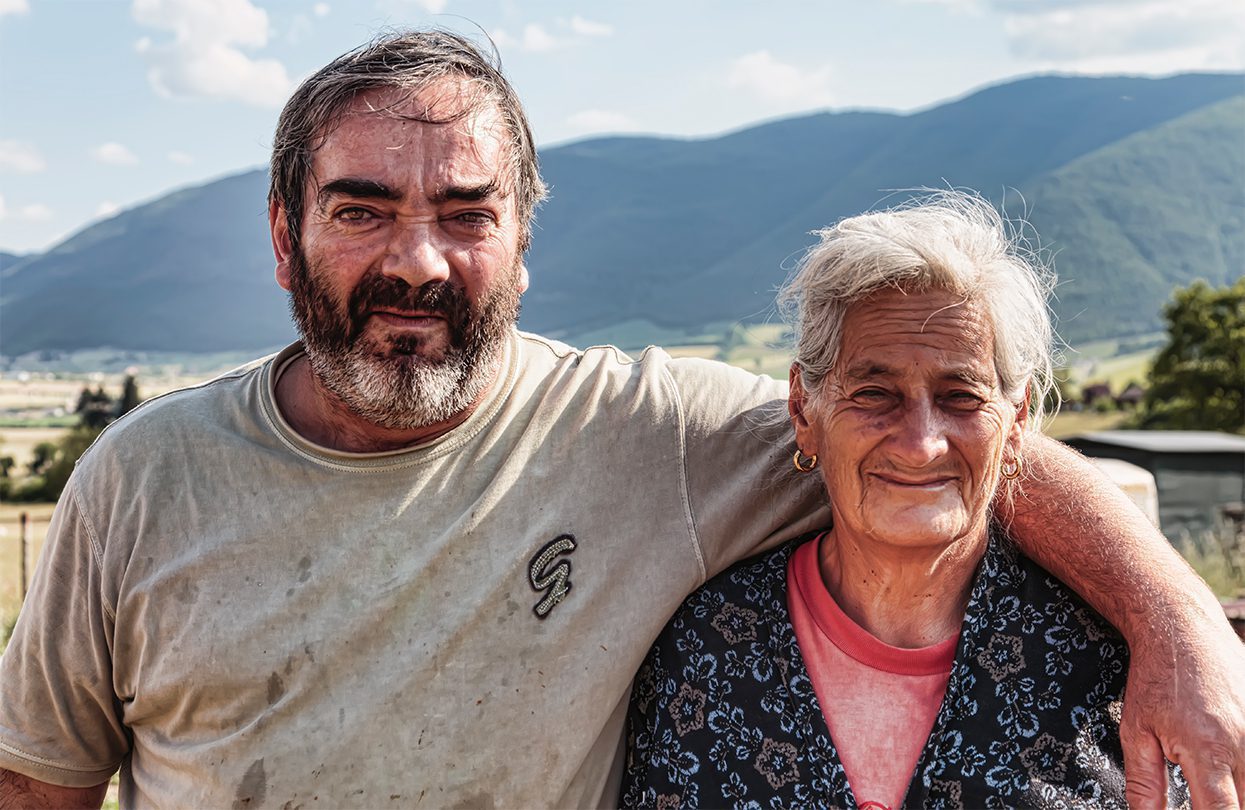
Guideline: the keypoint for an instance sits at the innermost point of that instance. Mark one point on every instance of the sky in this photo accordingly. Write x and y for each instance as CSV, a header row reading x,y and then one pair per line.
x,y
106,104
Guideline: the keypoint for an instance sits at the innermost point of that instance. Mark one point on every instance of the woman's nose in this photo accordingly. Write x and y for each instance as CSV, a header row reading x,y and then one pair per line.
x,y
920,438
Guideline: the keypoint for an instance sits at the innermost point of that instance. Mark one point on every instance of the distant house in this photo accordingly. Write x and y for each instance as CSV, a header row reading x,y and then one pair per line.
x,y
1131,396
1094,392
1199,474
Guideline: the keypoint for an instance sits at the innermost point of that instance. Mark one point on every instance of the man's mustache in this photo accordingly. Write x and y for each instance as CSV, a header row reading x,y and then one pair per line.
x,y
385,292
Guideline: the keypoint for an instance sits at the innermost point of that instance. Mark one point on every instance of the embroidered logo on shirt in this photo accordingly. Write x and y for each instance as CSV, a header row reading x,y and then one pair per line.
x,y
555,581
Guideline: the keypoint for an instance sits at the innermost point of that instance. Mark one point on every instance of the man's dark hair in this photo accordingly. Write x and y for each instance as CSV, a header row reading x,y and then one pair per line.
x,y
409,61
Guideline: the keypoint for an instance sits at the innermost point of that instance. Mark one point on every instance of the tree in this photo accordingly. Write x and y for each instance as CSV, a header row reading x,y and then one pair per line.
x,y
41,457
1198,378
129,396
94,408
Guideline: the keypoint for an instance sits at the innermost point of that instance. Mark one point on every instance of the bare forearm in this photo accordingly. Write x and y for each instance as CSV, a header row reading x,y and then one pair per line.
x,y
1185,699
1084,530
18,792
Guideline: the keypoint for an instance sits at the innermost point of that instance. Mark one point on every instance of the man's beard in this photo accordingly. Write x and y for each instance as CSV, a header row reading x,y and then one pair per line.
x,y
387,380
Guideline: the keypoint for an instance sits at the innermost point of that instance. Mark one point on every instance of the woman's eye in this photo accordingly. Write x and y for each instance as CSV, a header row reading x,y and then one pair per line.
x,y
870,395
964,400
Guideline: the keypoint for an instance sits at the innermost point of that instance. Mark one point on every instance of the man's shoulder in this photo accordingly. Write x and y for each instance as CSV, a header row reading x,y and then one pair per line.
x,y
700,381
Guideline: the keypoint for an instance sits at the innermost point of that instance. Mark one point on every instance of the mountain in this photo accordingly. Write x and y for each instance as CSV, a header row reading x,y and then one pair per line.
x,y
1182,217
1136,184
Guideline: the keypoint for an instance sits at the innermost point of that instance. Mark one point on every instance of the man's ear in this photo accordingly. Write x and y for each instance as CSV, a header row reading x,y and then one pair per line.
x,y
282,245
797,407
524,279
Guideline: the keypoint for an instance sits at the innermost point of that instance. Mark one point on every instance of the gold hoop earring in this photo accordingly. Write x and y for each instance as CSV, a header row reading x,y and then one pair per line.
x,y
804,464
1011,469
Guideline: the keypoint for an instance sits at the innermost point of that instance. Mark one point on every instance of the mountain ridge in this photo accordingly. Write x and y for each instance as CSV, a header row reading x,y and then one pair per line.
x,y
685,232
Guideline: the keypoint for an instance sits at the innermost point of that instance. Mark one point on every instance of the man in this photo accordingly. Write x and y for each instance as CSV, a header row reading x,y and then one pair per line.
x,y
417,558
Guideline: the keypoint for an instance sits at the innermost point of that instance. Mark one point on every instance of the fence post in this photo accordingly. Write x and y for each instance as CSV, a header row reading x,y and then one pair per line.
x,y
25,541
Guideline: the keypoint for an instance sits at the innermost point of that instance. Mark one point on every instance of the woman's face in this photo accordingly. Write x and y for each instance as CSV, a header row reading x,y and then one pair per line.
x,y
910,426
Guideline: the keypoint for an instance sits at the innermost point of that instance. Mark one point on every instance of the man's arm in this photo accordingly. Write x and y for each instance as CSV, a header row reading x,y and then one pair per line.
x,y
19,792
1186,683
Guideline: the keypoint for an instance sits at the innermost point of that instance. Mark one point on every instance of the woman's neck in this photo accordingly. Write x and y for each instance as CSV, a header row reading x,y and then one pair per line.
x,y
906,597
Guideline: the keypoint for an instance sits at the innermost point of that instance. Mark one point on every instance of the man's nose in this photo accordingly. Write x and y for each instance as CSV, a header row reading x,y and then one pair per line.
x,y
921,438
415,254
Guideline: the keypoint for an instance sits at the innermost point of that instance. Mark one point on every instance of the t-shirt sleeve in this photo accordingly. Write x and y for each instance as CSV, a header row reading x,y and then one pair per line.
x,y
59,716
743,492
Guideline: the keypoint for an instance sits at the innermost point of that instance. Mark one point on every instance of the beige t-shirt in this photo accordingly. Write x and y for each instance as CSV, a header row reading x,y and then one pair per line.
x,y
239,618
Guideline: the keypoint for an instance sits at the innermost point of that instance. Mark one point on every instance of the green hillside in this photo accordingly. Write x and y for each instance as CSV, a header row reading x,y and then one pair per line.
x,y
1132,220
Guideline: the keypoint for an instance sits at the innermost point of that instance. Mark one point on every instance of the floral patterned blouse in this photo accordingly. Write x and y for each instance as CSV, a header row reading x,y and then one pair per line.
x,y
723,713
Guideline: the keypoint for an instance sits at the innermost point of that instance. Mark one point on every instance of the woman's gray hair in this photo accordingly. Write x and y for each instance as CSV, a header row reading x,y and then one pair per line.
x,y
948,240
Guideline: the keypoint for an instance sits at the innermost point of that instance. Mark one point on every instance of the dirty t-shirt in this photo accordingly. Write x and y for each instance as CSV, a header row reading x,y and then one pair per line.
x,y
236,617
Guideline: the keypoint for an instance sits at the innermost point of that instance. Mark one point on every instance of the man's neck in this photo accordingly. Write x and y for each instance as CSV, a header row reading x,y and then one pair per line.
x,y
906,597
320,417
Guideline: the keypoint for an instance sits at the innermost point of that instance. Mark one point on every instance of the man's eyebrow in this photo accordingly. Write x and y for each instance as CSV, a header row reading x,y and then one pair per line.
x,y
476,193
356,187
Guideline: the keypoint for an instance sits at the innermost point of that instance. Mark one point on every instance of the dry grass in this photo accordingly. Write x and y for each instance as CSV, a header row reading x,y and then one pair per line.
x,y
10,552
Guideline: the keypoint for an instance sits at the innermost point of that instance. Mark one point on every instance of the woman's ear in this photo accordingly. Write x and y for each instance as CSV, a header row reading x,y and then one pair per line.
x,y
1015,437
797,407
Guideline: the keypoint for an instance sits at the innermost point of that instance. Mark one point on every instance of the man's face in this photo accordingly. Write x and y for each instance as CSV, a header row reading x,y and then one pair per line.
x,y
408,276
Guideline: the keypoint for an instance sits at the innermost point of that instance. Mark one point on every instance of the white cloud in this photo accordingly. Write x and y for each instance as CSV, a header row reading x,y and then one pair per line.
x,y
1142,36
114,154
320,9
535,39
35,212
588,121
13,7
205,58
780,84
300,26
400,7
588,28
4,212
16,156
180,158
107,208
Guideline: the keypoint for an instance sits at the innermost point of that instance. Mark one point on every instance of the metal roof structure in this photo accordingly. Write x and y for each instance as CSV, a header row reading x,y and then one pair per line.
x,y
1167,441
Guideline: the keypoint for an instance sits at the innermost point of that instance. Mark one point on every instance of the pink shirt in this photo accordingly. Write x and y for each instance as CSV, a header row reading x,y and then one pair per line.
x,y
879,701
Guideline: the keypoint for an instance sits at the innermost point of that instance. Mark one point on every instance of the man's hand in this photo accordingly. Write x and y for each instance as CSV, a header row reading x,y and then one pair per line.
x,y
1185,701
19,792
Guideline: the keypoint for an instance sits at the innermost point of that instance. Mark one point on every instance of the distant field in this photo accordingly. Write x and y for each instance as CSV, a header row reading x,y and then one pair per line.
x,y
10,551
45,399
20,442
1069,423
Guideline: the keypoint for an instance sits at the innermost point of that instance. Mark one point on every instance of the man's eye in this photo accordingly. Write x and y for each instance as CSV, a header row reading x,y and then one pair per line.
x,y
354,214
476,220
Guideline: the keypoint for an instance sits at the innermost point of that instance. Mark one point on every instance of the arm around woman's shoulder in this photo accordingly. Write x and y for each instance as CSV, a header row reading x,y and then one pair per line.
x,y
1186,695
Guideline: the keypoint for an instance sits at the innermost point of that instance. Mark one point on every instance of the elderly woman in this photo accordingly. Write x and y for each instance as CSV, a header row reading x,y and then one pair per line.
x,y
908,655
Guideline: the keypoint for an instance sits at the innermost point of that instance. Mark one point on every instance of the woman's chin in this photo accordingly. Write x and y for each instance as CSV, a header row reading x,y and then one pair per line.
x,y
920,526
